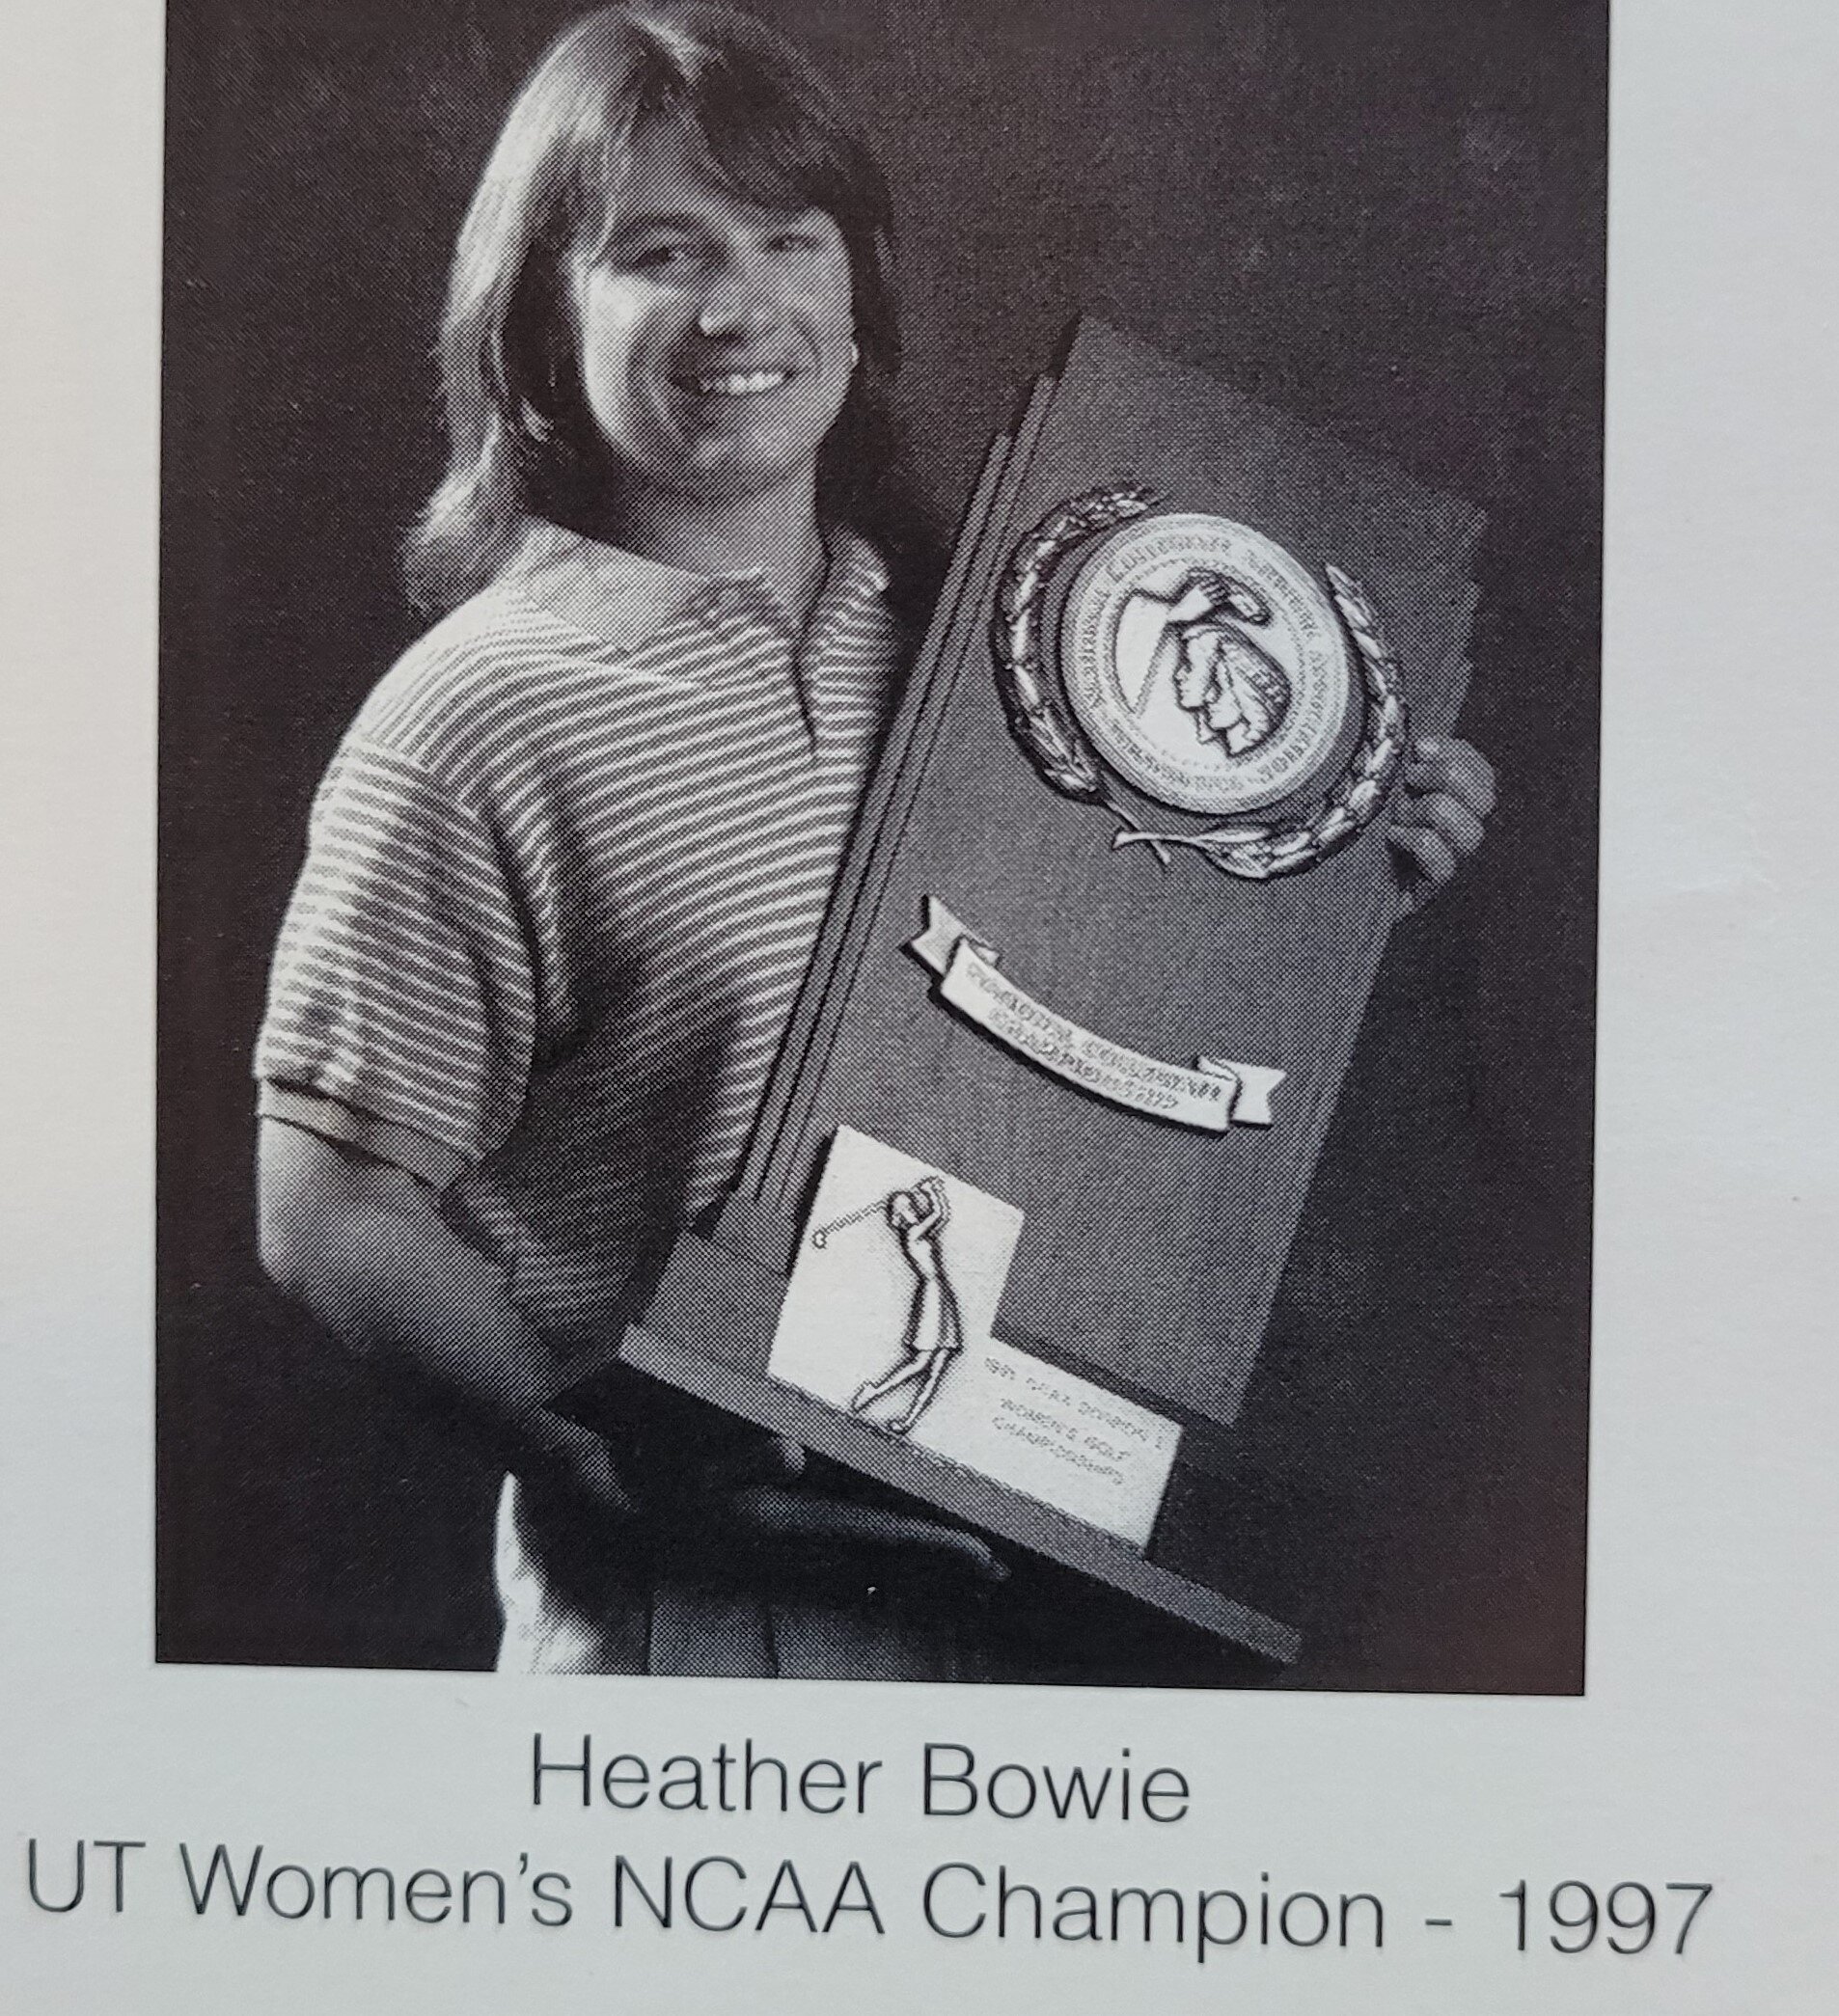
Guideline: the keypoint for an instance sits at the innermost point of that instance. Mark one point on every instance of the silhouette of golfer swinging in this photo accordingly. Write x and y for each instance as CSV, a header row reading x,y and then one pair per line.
x,y
935,1330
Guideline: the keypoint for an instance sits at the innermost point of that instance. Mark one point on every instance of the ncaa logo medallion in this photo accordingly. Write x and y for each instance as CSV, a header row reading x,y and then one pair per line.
x,y
1205,664
1198,663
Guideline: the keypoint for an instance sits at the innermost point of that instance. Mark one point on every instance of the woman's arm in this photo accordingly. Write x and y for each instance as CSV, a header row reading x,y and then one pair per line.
x,y
364,1245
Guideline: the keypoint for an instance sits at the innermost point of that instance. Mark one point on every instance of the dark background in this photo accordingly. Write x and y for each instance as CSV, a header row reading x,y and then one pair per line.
x,y
1386,218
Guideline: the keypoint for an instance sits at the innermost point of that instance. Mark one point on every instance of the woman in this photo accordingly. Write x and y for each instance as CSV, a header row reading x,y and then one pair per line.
x,y
568,864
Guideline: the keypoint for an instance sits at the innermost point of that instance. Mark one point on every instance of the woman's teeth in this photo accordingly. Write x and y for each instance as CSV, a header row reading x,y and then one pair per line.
x,y
738,385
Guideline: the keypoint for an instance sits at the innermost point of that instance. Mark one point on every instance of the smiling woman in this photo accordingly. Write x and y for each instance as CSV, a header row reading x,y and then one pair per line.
x,y
717,341
569,863
674,282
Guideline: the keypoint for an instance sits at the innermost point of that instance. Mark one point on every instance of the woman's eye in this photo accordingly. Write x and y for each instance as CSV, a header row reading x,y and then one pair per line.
x,y
653,259
794,241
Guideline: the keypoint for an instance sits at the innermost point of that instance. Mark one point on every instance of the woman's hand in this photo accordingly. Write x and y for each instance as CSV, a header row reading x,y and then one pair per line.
x,y
1438,817
781,1522
774,1514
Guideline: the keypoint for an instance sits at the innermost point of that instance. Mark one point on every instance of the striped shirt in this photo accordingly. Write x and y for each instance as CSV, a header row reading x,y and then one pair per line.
x,y
564,876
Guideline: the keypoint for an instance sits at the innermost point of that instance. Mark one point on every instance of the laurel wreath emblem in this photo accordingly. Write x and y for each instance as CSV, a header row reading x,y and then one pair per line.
x,y
1059,748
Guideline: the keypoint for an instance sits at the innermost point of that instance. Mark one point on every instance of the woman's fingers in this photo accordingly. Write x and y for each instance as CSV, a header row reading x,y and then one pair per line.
x,y
1428,858
1444,814
757,1457
1436,819
789,1456
1448,764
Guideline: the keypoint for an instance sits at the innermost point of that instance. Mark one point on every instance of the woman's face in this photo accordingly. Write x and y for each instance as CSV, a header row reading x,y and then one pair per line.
x,y
715,336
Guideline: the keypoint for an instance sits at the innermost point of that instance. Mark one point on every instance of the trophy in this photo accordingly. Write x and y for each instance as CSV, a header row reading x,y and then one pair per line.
x,y
1033,1153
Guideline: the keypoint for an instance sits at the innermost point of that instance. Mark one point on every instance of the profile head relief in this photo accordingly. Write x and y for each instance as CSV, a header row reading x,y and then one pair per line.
x,y
1237,693
676,271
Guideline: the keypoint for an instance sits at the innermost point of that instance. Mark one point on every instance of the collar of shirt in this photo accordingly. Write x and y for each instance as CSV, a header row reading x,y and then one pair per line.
x,y
625,599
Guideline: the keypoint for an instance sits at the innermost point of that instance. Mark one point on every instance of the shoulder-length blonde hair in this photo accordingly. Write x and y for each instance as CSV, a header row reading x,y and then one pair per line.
x,y
519,436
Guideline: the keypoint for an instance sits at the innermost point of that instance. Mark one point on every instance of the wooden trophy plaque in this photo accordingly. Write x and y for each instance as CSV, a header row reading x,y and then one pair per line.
x,y
1034,1152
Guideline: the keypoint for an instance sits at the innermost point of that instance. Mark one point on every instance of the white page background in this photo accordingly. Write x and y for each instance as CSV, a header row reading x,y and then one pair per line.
x,y
1705,1748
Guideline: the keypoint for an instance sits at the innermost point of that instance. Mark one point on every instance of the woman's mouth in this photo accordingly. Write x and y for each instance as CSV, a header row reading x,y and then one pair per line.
x,y
735,385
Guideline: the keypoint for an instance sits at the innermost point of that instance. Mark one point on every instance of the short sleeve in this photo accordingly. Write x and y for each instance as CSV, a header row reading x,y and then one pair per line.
x,y
402,989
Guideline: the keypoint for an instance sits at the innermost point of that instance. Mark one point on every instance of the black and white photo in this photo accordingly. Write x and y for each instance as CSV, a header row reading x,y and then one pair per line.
x,y
665,823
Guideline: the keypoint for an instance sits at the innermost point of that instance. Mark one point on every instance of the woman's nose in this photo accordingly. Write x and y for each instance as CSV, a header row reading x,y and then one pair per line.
x,y
737,300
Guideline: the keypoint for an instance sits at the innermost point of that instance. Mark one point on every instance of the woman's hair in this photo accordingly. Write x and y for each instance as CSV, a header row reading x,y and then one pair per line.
x,y
520,438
